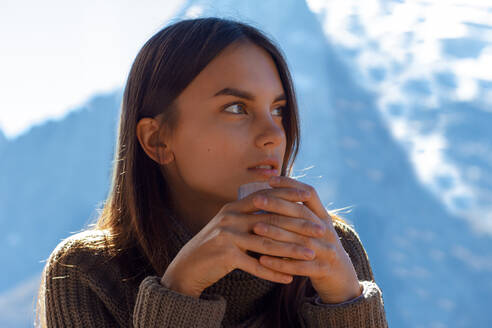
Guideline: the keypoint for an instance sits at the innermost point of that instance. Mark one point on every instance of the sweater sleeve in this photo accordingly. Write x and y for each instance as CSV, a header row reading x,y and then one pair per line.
x,y
74,296
158,305
69,300
366,310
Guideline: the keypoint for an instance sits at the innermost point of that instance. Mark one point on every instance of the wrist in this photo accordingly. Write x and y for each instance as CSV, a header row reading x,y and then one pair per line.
x,y
331,299
177,287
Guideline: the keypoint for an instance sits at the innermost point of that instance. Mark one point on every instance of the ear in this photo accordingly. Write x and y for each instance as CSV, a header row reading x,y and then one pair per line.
x,y
150,139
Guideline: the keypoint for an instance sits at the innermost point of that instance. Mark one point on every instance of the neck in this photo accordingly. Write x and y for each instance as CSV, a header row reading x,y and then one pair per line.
x,y
193,209
194,212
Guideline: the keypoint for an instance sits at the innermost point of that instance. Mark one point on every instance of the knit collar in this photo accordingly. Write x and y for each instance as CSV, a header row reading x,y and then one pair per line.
x,y
246,294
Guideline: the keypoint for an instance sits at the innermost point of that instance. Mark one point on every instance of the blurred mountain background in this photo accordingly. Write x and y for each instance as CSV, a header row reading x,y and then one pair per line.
x,y
396,117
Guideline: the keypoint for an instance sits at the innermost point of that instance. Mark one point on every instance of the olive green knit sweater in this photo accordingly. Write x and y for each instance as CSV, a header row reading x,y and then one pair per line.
x,y
86,287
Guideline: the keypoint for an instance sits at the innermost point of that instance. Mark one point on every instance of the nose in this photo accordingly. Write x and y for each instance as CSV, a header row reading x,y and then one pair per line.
x,y
271,132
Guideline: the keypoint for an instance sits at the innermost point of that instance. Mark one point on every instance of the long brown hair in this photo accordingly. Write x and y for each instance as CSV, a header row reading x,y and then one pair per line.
x,y
136,212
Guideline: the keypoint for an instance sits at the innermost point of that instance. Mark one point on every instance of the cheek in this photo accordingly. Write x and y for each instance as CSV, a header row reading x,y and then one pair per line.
x,y
219,142
211,157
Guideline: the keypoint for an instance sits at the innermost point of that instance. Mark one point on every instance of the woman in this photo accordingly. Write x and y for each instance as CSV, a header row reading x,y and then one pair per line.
x,y
207,101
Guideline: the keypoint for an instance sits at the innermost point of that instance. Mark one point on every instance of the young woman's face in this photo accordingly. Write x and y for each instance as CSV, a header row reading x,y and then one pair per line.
x,y
219,135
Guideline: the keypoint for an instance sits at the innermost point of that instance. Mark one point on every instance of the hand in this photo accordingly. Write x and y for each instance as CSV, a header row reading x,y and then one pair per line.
x,y
222,245
331,272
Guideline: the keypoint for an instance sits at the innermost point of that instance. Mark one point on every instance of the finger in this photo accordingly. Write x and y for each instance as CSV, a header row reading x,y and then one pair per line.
x,y
279,234
249,203
262,245
290,266
297,225
289,193
252,266
283,207
313,202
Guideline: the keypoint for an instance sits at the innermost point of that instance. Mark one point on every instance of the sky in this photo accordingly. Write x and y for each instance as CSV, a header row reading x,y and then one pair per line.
x,y
55,54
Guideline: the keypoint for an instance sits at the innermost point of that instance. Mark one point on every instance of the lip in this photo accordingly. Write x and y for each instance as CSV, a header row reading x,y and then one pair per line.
x,y
264,172
268,161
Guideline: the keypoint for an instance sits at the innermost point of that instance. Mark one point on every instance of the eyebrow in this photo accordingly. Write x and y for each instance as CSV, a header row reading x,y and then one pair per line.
x,y
243,94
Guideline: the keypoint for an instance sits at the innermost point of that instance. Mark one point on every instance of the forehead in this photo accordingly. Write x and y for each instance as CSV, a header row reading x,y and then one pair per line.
x,y
242,65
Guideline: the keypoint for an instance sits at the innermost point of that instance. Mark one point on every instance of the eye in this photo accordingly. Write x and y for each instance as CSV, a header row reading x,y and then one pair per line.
x,y
237,105
281,110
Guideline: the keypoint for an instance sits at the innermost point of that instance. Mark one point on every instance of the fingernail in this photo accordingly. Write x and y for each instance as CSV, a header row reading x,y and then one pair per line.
x,y
261,227
308,252
319,229
306,193
261,200
274,179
